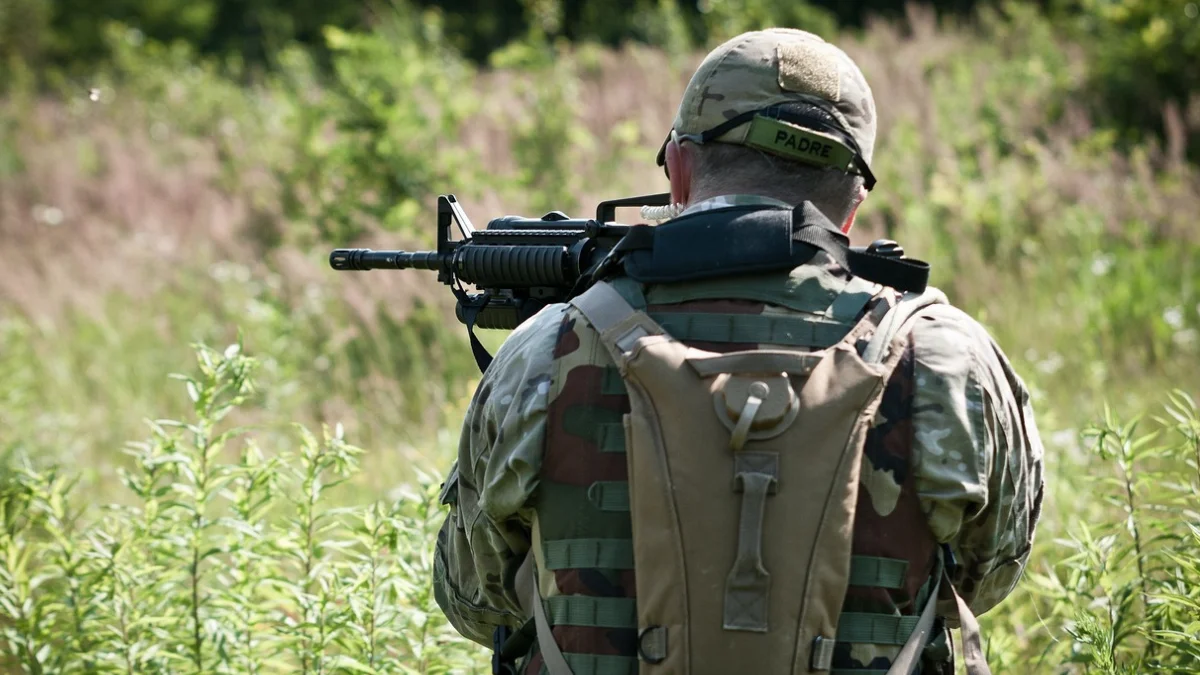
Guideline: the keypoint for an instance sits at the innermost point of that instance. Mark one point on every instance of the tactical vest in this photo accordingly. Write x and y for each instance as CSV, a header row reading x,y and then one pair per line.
x,y
730,482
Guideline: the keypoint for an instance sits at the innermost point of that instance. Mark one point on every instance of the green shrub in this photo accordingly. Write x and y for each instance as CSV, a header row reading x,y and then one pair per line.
x,y
1116,588
1144,55
223,559
395,100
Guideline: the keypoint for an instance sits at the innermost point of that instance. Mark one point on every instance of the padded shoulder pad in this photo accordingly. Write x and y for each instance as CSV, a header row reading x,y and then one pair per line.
x,y
740,240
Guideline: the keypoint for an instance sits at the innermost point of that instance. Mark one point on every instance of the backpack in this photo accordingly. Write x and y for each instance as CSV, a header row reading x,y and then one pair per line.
x,y
743,478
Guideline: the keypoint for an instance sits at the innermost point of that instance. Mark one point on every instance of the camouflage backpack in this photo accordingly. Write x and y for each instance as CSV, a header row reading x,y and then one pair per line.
x,y
743,476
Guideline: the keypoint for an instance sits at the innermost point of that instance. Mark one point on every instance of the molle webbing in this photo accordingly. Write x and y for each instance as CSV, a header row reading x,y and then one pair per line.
x,y
609,495
877,572
582,524
598,664
563,554
574,610
875,629
792,331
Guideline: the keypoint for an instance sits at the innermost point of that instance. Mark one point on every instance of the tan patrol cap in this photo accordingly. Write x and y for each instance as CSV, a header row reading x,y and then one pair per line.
x,y
784,91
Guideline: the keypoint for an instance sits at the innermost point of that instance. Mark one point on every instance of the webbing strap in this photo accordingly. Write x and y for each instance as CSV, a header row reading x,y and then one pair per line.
x,y
530,597
756,328
905,274
609,495
877,572
582,610
606,554
615,319
598,664
906,662
854,297
610,437
603,306
748,584
972,643
896,319
875,629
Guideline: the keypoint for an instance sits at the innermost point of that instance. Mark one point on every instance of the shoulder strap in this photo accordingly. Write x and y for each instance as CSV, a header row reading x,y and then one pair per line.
x,y
531,603
897,318
617,322
907,661
905,274
619,325
972,642
909,658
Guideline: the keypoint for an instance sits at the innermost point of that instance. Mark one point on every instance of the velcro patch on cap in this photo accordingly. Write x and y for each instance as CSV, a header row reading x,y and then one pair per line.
x,y
810,68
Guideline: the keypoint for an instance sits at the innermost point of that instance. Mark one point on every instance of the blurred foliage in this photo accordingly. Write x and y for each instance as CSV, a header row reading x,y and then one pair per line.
x,y
327,358
70,33
1143,51
394,100
1144,59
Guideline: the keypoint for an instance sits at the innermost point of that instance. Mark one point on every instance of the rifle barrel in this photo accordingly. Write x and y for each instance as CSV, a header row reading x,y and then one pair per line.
x,y
365,259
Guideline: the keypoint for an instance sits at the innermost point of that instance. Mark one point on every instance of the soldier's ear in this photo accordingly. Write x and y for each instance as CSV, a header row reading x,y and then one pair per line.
x,y
849,223
680,161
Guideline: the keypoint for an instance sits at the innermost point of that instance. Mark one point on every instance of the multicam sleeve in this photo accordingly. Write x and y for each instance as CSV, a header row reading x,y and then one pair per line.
x,y
977,455
487,533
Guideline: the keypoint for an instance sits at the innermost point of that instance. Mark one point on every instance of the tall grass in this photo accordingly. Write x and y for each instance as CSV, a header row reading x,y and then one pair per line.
x,y
223,557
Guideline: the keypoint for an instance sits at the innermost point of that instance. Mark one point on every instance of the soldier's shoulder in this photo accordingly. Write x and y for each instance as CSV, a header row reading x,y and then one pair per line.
x,y
527,354
951,344
534,337
944,331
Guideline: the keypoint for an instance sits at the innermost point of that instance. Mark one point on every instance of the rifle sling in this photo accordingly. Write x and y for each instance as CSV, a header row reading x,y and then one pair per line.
x,y
470,314
755,240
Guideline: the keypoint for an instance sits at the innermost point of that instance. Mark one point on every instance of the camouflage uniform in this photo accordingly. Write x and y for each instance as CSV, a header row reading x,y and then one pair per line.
x,y
953,445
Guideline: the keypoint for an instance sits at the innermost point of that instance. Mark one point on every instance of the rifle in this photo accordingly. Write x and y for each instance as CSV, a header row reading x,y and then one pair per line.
x,y
518,264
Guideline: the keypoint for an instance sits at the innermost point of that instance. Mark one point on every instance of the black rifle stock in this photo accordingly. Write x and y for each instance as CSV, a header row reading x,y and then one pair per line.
x,y
519,265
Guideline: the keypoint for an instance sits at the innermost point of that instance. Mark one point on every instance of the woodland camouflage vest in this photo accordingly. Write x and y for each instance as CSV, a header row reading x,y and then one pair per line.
x,y
583,532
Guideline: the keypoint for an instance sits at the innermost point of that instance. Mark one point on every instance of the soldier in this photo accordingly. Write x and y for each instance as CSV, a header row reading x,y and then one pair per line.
x,y
713,462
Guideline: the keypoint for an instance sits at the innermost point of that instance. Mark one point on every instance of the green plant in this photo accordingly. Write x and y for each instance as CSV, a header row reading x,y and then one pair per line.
x,y
225,560
395,100
1123,592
